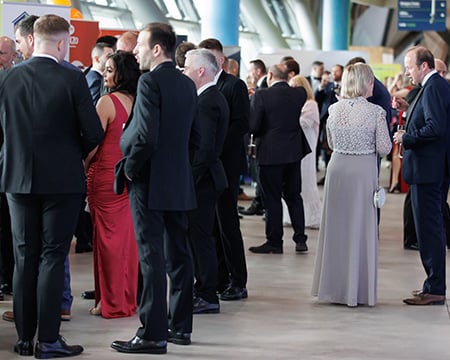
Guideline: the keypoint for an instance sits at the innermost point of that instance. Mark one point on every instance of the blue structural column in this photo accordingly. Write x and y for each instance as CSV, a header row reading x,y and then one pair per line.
x,y
220,20
335,24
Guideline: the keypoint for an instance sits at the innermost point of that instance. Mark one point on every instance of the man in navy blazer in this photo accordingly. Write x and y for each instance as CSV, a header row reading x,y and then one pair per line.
x,y
281,144
425,167
45,136
208,135
155,146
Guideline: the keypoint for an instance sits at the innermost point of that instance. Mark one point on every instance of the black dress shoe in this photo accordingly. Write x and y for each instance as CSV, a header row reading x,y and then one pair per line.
x,y
178,338
411,247
202,306
234,293
24,348
79,249
6,289
88,295
252,210
140,346
57,349
266,248
301,247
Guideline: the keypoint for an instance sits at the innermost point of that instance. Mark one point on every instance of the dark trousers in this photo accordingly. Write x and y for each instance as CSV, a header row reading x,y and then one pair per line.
x,y
282,181
201,238
409,231
230,246
427,203
162,240
83,231
6,243
42,228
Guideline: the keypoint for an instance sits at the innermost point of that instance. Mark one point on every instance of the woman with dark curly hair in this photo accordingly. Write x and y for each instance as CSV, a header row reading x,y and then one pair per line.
x,y
115,250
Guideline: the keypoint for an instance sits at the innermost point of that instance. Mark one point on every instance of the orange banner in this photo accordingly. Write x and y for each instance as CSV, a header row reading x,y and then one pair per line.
x,y
83,36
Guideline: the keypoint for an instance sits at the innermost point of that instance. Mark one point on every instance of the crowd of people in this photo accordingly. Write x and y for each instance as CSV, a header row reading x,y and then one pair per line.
x,y
163,184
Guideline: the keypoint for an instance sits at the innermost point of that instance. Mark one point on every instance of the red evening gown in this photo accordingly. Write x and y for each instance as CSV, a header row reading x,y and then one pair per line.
x,y
115,249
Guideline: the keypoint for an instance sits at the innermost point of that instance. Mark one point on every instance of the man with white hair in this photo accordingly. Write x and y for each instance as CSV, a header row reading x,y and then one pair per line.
x,y
208,135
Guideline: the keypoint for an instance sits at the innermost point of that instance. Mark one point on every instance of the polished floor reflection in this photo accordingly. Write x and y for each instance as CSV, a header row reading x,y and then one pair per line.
x,y
280,320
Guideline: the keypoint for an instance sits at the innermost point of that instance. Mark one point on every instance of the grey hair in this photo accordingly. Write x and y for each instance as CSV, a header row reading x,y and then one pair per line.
x,y
204,58
356,80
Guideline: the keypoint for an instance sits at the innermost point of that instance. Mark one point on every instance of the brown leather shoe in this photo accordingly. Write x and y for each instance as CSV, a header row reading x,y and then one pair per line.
x,y
243,196
8,316
66,315
426,299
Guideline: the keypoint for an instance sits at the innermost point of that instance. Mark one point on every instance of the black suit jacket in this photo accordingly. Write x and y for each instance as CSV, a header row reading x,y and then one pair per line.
x,y
45,140
381,96
236,94
155,143
95,82
275,122
325,98
208,135
426,143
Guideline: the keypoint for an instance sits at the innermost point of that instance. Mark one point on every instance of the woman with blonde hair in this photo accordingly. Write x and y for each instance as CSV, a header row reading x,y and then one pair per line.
x,y
309,122
346,262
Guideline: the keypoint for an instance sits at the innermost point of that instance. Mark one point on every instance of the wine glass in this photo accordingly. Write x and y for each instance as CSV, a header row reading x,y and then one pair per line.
x,y
400,128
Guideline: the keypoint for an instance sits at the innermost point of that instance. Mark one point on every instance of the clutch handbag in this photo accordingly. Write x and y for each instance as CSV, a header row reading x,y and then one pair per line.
x,y
379,197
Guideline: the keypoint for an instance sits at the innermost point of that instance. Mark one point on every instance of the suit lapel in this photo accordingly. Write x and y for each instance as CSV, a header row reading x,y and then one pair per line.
x,y
412,106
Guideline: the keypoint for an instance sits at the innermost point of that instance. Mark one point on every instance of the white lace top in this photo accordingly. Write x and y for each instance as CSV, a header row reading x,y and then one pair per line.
x,y
357,127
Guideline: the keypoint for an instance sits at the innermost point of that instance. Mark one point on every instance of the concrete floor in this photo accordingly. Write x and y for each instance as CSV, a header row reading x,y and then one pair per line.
x,y
280,320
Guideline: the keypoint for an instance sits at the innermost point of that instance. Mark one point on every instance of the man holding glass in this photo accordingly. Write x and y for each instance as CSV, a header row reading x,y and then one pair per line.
x,y
426,164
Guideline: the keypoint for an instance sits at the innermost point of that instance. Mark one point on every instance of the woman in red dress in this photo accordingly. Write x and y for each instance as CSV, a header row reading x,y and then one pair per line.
x,y
115,249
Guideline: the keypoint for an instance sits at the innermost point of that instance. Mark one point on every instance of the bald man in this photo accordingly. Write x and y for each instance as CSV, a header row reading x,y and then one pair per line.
x,y
441,67
7,52
127,41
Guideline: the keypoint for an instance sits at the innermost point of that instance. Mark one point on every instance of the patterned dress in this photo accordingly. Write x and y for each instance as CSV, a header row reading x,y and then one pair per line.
x,y
346,263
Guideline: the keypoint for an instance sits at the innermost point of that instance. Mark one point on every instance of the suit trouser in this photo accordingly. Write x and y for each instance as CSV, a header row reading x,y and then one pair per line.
x,y
6,243
83,231
427,201
409,231
230,246
203,243
42,228
160,233
279,181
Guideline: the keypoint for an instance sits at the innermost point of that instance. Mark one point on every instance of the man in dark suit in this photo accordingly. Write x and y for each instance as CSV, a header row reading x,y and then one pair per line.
x,y
326,95
425,167
258,72
42,173
155,145
317,69
208,135
232,265
380,95
7,56
274,120
94,76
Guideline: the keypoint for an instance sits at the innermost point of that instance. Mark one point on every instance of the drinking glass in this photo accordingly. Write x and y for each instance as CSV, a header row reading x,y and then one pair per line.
x,y
400,147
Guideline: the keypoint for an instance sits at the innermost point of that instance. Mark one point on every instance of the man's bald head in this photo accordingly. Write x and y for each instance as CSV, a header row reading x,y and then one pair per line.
x,y
7,52
440,66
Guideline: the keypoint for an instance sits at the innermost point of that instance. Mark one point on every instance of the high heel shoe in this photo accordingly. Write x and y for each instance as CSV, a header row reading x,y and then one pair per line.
x,y
97,310
394,188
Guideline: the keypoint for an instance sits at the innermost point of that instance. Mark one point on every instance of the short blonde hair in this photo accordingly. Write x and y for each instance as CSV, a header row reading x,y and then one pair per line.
x,y
357,80
301,81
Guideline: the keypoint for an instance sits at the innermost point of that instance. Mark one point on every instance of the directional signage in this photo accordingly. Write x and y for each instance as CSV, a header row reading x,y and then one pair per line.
x,y
422,15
